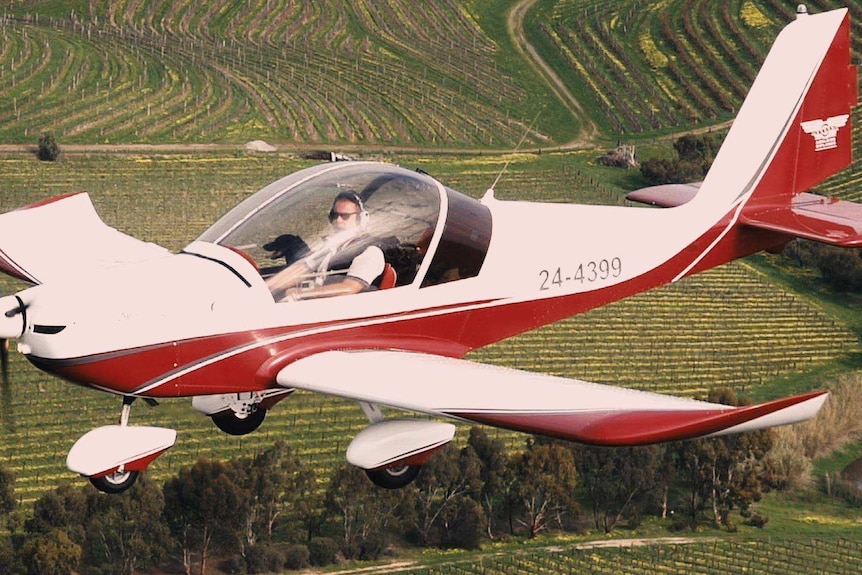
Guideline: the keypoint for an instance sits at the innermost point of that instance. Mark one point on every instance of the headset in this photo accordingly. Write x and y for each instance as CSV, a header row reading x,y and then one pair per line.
x,y
354,197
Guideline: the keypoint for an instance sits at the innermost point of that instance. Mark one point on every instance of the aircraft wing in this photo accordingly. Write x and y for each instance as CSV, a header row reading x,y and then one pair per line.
x,y
64,237
531,402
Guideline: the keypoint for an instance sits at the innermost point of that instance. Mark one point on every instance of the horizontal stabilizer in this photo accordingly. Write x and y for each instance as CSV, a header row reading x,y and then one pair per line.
x,y
812,217
808,216
531,402
665,195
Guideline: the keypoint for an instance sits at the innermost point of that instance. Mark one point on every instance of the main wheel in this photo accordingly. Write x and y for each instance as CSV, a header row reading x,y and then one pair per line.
x,y
116,482
394,477
236,424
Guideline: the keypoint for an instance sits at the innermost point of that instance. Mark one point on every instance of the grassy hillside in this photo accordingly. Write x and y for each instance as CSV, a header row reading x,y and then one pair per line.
x,y
358,72
435,74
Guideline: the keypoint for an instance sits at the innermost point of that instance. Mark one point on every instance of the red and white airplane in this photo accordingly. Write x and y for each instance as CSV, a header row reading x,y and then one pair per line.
x,y
113,313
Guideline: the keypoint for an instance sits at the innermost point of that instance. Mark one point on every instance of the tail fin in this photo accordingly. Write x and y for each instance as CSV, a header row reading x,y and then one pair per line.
x,y
819,92
792,132
793,129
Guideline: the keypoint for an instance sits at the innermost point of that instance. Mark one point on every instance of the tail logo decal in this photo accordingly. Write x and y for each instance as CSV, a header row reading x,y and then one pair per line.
x,y
825,132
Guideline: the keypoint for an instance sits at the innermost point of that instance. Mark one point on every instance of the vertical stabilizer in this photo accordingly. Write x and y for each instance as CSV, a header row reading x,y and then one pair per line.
x,y
793,130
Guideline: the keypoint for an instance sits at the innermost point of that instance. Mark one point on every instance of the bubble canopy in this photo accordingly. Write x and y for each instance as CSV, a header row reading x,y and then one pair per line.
x,y
410,216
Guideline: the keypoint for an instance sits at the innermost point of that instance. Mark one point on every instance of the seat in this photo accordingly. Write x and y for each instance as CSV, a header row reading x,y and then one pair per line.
x,y
388,277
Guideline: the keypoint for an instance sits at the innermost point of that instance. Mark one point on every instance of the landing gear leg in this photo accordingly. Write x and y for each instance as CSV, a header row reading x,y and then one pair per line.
x,y
121,479
389,477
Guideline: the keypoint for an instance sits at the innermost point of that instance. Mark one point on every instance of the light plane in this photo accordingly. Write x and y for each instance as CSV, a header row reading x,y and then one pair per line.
x,y
219,323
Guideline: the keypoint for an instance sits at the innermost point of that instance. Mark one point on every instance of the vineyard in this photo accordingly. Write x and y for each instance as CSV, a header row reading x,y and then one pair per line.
x,y
168,71
642,67
786,556
365,72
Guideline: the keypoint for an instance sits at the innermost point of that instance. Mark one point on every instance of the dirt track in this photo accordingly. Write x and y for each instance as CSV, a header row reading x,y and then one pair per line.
x,y
515,24
397,566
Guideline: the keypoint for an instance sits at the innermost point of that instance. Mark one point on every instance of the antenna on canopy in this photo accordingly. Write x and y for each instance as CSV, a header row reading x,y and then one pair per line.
x,y
489,193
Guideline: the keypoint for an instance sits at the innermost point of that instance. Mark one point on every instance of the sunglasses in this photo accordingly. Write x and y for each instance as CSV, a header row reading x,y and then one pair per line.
x,y
333,215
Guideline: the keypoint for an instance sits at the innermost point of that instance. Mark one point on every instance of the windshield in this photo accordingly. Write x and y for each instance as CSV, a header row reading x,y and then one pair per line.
x,y
302,218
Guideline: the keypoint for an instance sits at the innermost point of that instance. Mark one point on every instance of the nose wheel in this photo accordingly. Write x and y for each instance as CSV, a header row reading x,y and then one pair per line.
x,y
234,423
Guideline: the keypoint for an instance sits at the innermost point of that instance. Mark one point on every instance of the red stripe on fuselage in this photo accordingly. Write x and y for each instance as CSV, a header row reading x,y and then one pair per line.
x,y
245,361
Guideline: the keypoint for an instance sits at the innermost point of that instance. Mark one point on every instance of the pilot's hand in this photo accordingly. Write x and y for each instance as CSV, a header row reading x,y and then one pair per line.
x,y
292,295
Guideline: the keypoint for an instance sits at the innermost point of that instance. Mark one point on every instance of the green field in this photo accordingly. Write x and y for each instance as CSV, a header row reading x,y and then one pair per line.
x,y
446,89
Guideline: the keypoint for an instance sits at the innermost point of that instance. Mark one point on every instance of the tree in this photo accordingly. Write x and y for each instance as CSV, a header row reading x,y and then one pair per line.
x,y
363,511
272,480
547,479
7,507
694,155
724,471
7,555
696,149
839,268
617,480
204,505
48,150
7,494
463,524
449,476
308,503
51,553
496,475
126,532
63,509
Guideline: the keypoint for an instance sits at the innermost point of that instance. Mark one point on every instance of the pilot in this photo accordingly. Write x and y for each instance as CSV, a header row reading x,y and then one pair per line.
x,y
349,220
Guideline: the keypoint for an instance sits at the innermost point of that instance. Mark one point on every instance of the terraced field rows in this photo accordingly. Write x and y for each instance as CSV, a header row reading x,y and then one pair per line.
x,y
366,72
641,66
346,73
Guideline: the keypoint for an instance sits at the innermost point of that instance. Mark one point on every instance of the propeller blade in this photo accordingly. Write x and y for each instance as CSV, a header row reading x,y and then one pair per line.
x,y
4,360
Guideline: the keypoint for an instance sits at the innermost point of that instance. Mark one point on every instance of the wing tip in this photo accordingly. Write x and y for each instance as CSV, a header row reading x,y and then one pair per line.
x,y
618,428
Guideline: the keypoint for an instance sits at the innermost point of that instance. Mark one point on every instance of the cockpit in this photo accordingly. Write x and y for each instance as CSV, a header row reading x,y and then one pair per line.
x,y
427,233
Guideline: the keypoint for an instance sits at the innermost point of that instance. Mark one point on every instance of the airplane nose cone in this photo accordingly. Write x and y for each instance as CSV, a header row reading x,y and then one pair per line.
x,y
12,317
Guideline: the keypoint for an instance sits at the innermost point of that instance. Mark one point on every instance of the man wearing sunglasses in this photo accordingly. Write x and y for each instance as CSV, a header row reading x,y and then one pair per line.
x,y
349,220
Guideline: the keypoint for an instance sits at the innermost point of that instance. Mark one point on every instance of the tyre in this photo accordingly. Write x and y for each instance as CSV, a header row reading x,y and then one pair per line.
x,y
393,477
115,482
235,424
